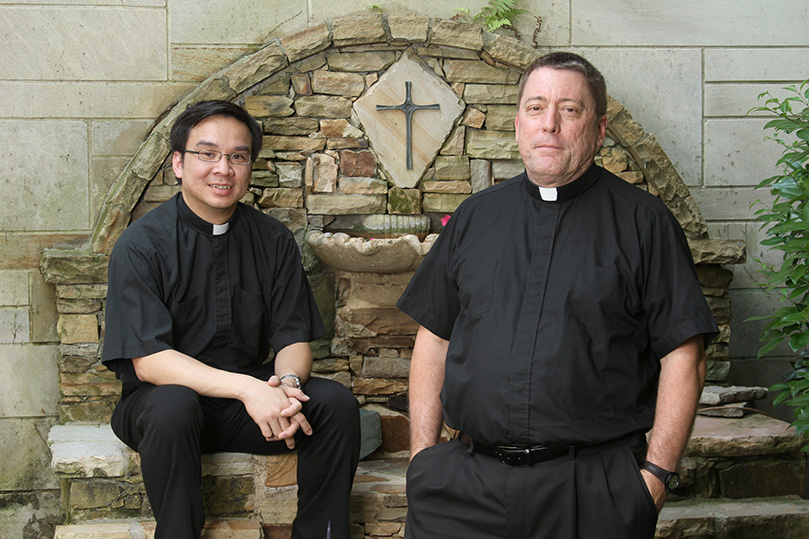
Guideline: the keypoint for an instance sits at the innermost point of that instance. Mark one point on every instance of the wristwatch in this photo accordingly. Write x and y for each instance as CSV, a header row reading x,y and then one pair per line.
x,y
295,378
670,479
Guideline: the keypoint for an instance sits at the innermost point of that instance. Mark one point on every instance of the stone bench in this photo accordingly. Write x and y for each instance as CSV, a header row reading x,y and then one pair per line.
x,y
102,483
738,473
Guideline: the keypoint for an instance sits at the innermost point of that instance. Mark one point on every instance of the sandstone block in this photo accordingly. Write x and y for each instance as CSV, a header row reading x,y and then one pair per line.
x,y
281,470
254,68
306,42
377,386
268,105
455,142
500,117
357,163
443,203
485,144
291,126
264,178
337,204
348,143
719,395
385,367
447,52
339,128
453,34
452,167
478,71
76,328
748,436
412,29
337,83
322,169
446,186
360,61
762,477
89,383
363,186
491,94
319,106
290,175
510,51
282,143
301,84
281,198
404,201
481,174
358,30
73,267
473,117
90,495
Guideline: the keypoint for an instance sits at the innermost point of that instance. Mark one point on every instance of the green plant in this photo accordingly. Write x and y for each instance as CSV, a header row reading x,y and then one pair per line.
x,y
498,14
787,229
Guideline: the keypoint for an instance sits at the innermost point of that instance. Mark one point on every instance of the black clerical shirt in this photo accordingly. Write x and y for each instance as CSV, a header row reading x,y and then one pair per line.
x,y
223,298
557,312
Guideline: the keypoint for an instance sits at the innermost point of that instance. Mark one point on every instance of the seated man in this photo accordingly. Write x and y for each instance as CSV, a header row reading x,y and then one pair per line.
x,y
200,289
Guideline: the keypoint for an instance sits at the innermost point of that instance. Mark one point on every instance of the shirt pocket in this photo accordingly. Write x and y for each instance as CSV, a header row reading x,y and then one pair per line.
x,y
599,299
476,296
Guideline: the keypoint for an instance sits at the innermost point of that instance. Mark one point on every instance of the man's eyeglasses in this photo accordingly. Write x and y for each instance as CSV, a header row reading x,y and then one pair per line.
x,y
213,156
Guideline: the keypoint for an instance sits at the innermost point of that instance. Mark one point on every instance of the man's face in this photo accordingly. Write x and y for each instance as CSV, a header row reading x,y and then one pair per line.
x,y
558,132
212,190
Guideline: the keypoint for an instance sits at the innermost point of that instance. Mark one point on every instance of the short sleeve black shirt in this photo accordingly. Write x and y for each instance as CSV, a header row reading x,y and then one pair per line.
x,y
557,312
223,299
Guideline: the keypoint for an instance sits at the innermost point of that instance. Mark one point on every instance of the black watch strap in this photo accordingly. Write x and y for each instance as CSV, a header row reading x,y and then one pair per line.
x,y
669,479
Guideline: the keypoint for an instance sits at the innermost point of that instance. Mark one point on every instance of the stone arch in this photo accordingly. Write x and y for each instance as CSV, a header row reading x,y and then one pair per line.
x,y
636,155
370,326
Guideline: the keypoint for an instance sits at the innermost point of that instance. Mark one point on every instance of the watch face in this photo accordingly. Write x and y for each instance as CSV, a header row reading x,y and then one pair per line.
x,y
673,481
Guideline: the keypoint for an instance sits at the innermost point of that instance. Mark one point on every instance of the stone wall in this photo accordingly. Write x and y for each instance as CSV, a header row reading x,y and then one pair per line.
x,y
324,166
70,122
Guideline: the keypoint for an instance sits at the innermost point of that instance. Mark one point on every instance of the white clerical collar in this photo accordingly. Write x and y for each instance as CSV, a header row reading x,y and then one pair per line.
x,y
220,229
548,194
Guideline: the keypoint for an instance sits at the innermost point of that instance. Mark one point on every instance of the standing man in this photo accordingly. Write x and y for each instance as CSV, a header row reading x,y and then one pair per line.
x,y
200,289
561,319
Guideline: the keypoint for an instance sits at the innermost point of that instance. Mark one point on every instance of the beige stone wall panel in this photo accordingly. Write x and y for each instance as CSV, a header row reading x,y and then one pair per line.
x,y
196,63
94,43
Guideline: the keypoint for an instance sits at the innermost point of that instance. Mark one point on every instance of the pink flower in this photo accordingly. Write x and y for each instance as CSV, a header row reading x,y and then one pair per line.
x,y
445,220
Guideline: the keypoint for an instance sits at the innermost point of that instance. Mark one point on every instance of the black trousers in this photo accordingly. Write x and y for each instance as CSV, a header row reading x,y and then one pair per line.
x,y
454,493
171,426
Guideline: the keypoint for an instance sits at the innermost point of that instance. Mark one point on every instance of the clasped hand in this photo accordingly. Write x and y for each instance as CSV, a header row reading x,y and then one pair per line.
x,y
276,409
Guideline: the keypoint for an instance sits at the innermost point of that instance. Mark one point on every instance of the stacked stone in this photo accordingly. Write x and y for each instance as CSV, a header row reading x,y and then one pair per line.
x,y
318,169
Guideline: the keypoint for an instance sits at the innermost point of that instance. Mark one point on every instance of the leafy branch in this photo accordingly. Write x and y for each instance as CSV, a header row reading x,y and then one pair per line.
x,y
787,229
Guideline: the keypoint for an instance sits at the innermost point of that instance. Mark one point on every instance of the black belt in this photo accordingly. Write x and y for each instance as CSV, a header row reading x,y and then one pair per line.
x,y
518,455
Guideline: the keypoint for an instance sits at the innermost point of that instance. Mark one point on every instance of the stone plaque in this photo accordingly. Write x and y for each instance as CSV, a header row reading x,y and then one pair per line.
x,y
387,128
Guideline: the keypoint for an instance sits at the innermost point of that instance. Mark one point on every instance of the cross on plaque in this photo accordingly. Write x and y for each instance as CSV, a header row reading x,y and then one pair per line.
x,y
408,107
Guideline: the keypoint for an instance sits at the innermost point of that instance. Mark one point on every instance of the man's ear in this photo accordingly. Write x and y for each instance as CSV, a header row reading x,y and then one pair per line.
x,y
602,130
177,164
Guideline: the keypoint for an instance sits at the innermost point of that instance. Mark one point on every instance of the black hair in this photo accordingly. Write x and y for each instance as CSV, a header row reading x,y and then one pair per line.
x,y
199,112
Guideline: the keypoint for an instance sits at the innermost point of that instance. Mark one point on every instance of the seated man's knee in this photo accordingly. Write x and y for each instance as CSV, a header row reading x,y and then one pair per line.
x,y
172,408
336,400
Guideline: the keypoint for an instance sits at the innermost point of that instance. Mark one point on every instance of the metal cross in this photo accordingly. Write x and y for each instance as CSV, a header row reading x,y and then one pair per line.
x,y
408,107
